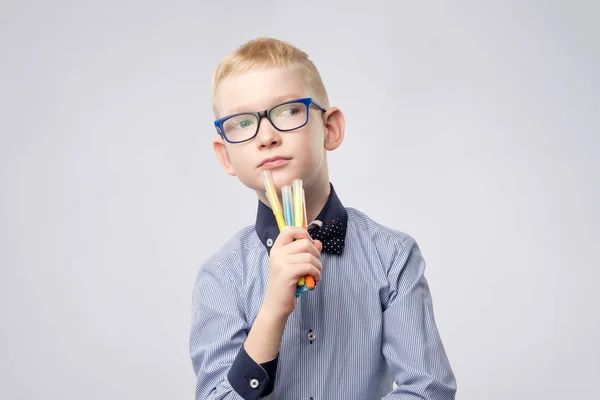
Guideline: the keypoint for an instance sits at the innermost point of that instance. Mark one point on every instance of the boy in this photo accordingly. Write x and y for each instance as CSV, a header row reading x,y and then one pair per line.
x,y
369,320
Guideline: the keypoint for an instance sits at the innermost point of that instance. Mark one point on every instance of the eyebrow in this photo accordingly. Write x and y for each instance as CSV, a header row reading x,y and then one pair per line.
x,y
274,101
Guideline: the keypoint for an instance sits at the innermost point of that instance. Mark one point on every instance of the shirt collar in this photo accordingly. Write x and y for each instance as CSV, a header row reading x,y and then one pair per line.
x,y
266,225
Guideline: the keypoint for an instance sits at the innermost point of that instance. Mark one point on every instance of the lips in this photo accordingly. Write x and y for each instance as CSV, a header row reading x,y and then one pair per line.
x,y
273,162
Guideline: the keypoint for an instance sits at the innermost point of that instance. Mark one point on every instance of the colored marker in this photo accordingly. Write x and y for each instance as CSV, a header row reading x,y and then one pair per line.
x,y
273,199
308,279
304,216
297,203
297,184
286,194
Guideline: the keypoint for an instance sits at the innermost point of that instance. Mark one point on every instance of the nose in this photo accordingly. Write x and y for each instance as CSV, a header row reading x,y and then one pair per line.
x,y
267,135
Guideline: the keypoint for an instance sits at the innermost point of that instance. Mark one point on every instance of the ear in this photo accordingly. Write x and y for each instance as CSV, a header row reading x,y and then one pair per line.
x,y
222,154
334,125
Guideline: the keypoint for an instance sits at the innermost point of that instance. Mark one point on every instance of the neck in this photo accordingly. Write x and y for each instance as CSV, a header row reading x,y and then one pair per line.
x,y
316,197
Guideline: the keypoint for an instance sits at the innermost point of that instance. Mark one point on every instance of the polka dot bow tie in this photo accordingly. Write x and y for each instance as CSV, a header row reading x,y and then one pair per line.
x,y
331,234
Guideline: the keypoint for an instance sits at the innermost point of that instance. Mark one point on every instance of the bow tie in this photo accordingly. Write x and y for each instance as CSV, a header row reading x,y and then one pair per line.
x,y
331,234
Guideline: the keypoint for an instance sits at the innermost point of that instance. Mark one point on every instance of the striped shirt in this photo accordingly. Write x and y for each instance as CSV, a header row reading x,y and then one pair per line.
x,y
368,323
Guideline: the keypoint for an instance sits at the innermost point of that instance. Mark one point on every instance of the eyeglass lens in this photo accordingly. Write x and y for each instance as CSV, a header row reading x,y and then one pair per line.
x,y
284,117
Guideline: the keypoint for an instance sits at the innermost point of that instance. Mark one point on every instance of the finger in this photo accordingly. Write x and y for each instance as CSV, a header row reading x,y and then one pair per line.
x,y
289,234
301,270
304,258
303,246
318,245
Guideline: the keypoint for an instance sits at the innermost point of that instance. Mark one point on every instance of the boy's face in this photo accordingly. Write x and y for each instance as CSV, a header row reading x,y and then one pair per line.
x,y
302,151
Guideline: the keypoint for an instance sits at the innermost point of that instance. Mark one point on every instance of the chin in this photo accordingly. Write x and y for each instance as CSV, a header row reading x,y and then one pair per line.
x,y
281,176
285,176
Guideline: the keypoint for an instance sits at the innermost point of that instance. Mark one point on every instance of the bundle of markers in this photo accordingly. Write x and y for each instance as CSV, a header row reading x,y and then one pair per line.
x,y
294,213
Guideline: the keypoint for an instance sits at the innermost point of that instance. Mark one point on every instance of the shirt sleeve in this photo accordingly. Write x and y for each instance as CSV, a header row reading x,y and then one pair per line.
x,y
218,331
411,342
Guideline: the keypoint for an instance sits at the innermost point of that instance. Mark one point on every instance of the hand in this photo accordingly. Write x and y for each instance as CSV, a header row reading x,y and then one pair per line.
x,y
293,255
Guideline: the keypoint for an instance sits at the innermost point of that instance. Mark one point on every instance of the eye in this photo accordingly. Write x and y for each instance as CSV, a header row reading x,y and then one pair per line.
x,y
242,123
288,110
293,110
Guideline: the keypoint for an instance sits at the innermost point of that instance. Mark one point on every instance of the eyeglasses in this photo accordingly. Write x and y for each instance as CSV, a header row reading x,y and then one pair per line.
x,y
284,117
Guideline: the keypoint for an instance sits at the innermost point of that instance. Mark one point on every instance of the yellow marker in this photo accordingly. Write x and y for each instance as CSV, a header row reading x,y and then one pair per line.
x,y
304,216
297,185
273,199
308,280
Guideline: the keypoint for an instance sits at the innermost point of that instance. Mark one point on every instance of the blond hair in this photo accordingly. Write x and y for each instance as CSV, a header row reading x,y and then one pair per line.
x,y
265,53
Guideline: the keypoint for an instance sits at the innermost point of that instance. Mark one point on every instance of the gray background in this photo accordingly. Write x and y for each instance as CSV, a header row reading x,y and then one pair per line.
x,y
473,126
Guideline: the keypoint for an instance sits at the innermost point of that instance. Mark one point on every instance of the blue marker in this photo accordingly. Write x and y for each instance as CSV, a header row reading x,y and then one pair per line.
x,y
286,194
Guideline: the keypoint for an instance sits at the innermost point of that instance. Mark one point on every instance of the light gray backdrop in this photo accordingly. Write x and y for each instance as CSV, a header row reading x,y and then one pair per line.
x,y
472,126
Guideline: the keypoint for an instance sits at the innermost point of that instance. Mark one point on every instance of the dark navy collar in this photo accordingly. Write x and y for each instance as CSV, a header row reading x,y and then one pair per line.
x,y
266,226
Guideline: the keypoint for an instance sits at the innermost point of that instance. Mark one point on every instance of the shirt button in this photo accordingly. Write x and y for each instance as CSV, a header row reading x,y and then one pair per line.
x,y
311,336
253,383
269,242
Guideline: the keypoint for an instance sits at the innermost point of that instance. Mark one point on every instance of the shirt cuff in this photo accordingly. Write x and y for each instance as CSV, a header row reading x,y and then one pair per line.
x,y
250,379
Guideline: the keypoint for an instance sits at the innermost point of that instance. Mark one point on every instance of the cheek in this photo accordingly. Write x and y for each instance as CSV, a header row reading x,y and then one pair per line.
x,y
310,149
244,166
240,160
316,139
236,157
307,144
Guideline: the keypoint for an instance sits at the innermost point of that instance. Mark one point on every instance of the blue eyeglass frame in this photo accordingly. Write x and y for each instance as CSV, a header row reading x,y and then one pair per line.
x,y
307,101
